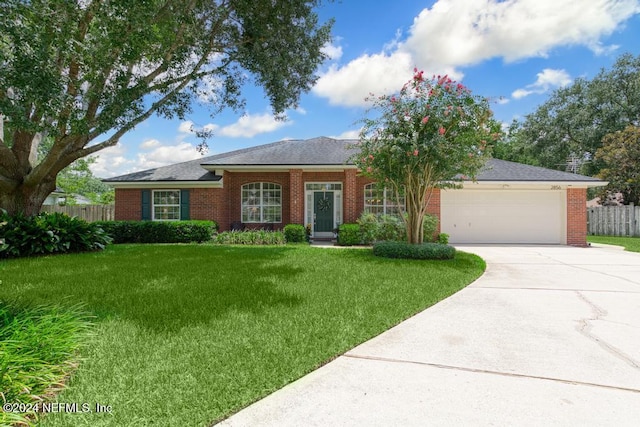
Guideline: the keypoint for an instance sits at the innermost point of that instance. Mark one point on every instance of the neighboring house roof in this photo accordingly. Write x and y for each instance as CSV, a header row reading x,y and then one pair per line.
x,y
321,151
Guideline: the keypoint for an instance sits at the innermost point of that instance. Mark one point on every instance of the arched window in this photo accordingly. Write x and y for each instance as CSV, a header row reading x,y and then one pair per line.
x,y
261,202
381,201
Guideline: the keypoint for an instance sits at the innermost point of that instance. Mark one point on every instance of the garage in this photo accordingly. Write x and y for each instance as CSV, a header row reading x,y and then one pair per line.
x,y
504,216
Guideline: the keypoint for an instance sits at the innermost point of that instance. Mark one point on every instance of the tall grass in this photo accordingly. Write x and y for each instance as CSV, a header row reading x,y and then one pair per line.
x,y
38,350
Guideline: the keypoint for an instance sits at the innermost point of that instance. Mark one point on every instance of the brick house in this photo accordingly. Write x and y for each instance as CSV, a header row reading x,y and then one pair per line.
x,y
313,182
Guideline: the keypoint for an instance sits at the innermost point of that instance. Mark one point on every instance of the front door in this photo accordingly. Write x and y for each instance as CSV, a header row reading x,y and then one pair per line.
x,y
323,211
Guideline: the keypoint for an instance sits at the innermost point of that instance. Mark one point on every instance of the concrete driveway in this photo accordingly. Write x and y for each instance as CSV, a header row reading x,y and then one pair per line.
x,y
549,335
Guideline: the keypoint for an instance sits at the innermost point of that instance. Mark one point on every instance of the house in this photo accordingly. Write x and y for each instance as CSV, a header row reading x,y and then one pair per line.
x,y
58,196
312,182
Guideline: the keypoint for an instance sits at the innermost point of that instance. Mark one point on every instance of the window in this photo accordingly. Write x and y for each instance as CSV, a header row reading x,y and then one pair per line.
x,y
261,202
166,205
381,201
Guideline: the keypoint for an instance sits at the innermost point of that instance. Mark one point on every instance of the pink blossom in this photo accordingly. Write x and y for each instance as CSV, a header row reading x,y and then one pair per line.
x,y
369,169
442,130
415,153
370,157
425,120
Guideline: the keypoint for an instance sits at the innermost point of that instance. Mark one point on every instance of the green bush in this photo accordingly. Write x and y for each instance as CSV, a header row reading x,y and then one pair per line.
x,y
250,237
48,233
429,227
375,228
443,238
408,251
295,233
349,235
159,231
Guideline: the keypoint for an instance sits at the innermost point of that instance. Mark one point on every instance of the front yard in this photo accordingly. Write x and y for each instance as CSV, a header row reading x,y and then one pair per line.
x,y
188,334
631,244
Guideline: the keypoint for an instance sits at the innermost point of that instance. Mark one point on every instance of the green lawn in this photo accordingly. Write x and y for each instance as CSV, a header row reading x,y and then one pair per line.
x,y
631,244
188,334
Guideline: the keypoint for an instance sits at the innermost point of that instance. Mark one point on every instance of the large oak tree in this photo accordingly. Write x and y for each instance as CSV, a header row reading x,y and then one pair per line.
x,y
84,72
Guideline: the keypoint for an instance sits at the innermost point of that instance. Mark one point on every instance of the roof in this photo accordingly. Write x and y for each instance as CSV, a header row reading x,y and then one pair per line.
x,y
322,151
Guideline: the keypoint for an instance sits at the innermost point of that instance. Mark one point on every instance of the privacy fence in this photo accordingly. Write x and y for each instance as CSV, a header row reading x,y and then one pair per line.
x,y
614,220
87,212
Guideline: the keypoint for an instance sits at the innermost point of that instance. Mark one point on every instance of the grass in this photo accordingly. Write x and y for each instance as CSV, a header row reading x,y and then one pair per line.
x,y
188,334
38,350
631,244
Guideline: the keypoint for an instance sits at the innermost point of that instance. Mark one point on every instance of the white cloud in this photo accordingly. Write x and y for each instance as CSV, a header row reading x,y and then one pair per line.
x,y
547,79
334,52
149,143
458,33
349,134
167,154
251,125
186,127
378,73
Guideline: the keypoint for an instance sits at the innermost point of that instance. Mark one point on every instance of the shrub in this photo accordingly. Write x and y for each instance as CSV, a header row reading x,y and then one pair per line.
x,y
250,237
443,238
349,235
48,233
429,227
160,231
409,251
375,228
295,233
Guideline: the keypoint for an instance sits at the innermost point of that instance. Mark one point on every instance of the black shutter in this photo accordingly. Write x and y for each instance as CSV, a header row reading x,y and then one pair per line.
x,y
146,205
184,205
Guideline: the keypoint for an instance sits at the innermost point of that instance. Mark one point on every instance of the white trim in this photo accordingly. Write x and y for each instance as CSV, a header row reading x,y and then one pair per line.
x,y
338,206
261,206
172,185
153,204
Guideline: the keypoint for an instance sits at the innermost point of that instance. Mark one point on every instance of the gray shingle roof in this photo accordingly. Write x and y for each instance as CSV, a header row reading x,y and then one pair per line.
x,y
322,151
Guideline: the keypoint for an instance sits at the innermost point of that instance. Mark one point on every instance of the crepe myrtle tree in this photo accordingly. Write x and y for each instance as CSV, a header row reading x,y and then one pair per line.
x,y
433,133
84,72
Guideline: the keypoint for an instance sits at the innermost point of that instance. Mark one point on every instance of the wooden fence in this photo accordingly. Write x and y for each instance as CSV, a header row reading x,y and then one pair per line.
x,y
87,212
614,220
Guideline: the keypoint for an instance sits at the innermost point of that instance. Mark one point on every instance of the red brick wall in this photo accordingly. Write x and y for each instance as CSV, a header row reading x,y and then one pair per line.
x,y
128,204
233,183
207,204
433,207
577,217
296,195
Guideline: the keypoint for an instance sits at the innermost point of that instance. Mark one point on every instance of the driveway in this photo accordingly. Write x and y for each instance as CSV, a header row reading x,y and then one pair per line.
x,y
549,335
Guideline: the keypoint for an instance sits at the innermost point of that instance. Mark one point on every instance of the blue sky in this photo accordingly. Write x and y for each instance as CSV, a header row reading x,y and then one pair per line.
x,y
514,51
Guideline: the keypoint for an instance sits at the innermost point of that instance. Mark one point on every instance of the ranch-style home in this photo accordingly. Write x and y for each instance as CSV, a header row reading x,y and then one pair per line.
x,y
312,182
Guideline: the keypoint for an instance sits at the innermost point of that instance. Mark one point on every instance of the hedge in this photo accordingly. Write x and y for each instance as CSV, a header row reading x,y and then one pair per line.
x,y
48,233
405,250
159,231
295,233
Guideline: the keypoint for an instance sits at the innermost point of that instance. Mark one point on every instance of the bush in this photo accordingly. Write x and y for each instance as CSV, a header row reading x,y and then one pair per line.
x,y
48,233
295,233
160,231
349,235
408,251
375,228
429,227
443,238
250,237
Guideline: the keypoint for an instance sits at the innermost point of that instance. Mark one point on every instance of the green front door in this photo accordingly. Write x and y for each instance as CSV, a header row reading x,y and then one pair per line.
x,y
323,211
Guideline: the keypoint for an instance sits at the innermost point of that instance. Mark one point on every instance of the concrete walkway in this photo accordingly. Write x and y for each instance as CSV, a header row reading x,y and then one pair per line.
x,y
548,336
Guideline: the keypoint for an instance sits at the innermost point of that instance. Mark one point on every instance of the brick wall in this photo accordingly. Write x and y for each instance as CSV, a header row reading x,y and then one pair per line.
x,y
233,183
128,204
577,217
207,204
296,196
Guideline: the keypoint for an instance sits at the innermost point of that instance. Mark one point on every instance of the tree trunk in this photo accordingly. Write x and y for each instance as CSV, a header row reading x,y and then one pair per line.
x,y
26,199
415,234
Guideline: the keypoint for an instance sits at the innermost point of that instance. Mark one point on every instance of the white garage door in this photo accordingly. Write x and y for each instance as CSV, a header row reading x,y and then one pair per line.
x,y
504,216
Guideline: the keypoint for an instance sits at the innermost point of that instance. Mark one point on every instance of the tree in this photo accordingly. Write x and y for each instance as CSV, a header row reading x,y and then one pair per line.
x,y
575,119
620,153
78,180
432,133
85,72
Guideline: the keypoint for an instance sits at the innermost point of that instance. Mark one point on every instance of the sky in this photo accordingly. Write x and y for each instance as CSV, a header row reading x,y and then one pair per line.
x,y
515,52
